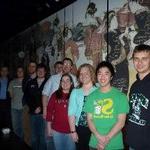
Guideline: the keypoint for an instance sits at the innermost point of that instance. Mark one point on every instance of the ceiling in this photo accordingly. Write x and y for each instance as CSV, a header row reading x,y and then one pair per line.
x,y
17,15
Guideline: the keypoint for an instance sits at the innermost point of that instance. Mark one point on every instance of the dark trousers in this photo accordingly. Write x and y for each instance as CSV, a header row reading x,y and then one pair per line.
x,y
5,114
84,137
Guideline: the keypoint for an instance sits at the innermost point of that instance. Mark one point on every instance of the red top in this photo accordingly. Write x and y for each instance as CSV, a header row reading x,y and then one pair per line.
x,y
57,113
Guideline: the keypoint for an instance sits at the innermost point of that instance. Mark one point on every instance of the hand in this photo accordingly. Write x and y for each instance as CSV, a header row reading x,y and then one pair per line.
x,y
44,113
102,141
49,132
37,110
75,136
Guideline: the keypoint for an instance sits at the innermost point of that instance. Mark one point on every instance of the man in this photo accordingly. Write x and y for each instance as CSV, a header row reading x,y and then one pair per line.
x,y
16,94
106,111
31,75
138,122
58,67
5,116
51,86
34,102
26,121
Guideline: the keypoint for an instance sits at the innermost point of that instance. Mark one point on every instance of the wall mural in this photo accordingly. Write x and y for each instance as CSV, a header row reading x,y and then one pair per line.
x,y
86,32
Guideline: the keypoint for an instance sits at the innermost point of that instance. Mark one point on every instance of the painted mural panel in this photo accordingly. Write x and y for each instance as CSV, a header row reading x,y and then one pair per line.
x,y
127,28
80,32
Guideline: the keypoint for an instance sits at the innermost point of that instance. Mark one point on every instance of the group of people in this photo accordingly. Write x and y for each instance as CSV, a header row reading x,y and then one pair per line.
x,y
82,111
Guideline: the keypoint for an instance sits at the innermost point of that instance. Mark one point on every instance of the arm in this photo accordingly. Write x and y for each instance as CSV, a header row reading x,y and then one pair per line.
x,y
10,89
74,134
71,115
45,103
103,140
49,129
118,126
45,96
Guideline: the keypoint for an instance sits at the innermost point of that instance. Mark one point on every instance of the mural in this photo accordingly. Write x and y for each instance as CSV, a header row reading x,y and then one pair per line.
x,y
86,32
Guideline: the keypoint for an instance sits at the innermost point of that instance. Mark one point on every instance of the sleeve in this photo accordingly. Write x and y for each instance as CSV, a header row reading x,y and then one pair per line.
x,y
10,88
123,104
72,103
51,108
47,87
88,105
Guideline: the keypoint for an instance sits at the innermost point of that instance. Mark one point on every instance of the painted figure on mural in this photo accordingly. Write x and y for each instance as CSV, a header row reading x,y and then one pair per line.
x,y
94,31
119,45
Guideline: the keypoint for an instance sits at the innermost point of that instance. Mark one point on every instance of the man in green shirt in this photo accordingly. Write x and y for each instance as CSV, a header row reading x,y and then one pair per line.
x,y
106,111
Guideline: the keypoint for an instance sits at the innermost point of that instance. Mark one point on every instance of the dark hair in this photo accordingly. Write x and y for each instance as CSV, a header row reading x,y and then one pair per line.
x,y
16,69
141,48
58,62
106,64
34,62
59,91
68,59
42,66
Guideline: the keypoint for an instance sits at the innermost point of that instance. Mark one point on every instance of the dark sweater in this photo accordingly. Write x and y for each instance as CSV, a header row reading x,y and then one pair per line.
x,y
138,121
33,95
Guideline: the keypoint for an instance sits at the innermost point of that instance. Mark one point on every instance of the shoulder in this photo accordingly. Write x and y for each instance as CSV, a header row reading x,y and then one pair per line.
x,y
119,95
95,92
76,90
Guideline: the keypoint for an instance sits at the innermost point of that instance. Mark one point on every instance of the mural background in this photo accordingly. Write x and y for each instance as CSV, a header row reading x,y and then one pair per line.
x,y
87,32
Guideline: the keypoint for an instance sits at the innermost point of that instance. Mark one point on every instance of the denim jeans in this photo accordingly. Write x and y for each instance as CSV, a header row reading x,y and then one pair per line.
x,y
49,140
63,141
38,141
17,122
50,143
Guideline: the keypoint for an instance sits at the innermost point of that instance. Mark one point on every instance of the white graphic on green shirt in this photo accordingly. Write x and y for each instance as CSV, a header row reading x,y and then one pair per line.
x,y
103,108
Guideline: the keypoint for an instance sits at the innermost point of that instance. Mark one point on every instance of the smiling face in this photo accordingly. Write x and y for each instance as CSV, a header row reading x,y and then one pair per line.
x,y
85,75
67,66
141,62
41,73
104,77
66,84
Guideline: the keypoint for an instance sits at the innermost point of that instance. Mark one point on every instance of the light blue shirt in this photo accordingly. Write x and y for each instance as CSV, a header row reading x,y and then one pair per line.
x,y
52,84
3,88
76,102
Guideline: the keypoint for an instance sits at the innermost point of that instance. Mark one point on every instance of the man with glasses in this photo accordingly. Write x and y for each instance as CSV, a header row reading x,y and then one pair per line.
x,y
51,86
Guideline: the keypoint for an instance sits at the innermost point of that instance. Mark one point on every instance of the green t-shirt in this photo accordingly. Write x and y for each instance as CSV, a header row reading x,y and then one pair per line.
x,y
105,108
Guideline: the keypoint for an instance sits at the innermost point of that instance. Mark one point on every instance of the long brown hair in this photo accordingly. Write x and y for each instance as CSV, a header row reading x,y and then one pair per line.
x,y
59,91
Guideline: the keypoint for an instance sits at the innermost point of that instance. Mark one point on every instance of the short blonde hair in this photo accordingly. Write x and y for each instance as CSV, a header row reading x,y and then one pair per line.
x,y
91,70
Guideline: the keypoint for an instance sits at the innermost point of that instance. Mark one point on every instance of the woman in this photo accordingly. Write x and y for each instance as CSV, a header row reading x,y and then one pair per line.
x,y
57,115
77,118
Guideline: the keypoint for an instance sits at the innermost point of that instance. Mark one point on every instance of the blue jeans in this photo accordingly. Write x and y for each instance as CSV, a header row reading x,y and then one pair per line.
x,y
63,141
17,122
38,132
50,143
